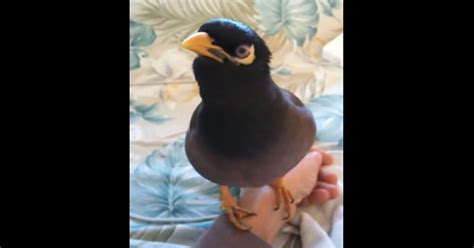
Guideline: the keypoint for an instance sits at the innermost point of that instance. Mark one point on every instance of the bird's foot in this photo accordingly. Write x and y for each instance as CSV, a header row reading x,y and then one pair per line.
x,y
282,194
234,212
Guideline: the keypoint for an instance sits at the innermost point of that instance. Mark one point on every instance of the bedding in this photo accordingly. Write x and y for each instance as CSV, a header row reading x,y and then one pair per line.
x,y
171,205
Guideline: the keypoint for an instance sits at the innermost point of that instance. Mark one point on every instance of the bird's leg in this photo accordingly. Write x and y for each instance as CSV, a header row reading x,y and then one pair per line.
x,y
281,192
234,212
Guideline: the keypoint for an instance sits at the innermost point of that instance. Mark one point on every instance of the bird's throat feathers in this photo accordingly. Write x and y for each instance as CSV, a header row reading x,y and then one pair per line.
x,y
237,94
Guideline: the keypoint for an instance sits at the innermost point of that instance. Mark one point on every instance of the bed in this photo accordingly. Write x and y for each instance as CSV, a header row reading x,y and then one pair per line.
x,y
171,205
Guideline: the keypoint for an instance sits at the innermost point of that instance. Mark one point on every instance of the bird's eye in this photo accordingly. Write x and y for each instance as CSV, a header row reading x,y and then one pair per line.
x,y
242,51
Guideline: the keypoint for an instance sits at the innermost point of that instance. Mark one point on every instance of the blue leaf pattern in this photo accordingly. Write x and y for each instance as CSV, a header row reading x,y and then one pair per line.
x,y
134,60
149,113
140,36
166,185
329,6
202,225
340,144
133,116
297,18
328,114
282,71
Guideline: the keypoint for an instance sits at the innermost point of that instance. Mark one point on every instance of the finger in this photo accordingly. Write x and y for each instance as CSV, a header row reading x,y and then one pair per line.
x,y
327,176
318,196
327,159
332,189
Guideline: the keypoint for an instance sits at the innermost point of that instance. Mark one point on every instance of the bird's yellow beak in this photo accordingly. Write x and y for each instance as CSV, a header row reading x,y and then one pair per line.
x,y
201,43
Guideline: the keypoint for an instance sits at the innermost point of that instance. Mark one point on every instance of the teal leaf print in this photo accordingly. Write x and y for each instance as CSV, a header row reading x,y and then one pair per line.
x,y
134,60
145,109
157,119
298,19
174,20
148,112
340,144
282,71
202,225
140,36
328,114
165,185
329,6
134,116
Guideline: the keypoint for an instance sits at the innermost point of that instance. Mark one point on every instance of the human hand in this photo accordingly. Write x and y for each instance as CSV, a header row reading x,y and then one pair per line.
x,y
309,182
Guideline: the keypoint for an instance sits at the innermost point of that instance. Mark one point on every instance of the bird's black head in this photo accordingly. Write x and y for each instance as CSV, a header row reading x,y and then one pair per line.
x,y
231,57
